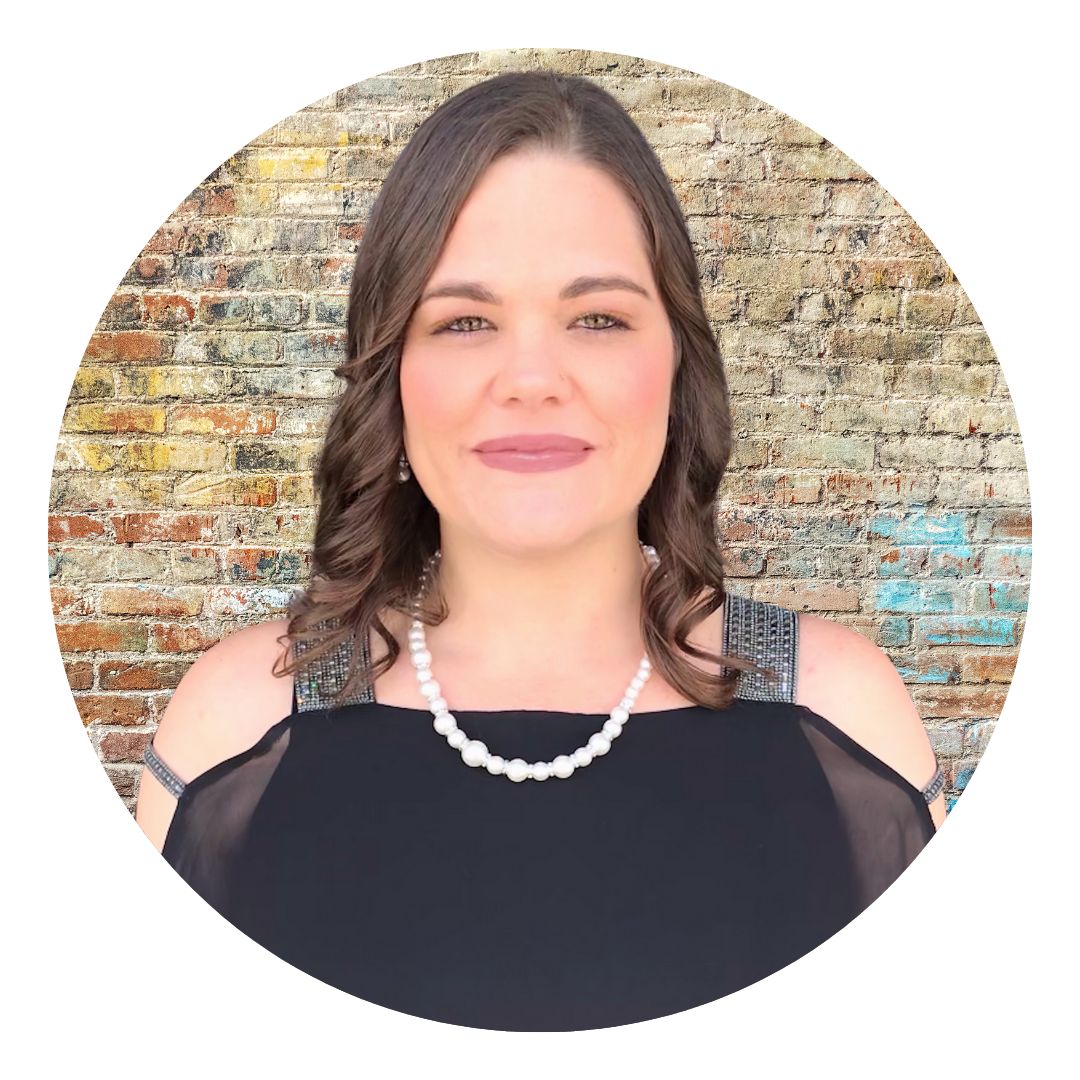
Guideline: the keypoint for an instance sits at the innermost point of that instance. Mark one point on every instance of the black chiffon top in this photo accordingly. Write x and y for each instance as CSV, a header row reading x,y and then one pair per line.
x,y
705,851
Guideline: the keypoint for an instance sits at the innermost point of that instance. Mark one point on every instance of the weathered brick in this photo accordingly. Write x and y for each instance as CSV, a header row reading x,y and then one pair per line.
x,y
250,564
813,163
141,564
141,675
967,346
859,271
922,452
128,711
808,595
69,602
179,382
80,674
969,418
882,488
934,380
169,311
867,199
995,667
128,347
929,309
1003,562
879,306
1006,452
92,384
748,376
292,526
966,630
151,600
984,489
114,419
74,527
953,560
873,344
124,745
761,414
902,561
195,564
919,527
254,600
285,382
1000,596
957,701
212,490
918,596
827,451
821,380
141,528
884,416
947,740
85,563
104,636
182,637
169,455
224,311
1002,525
221,420
264,456
780,272
124,311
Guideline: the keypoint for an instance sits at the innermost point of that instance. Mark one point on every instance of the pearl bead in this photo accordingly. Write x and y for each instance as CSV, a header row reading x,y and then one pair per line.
x,y
495,765
438,705
541,770
581,756
421,659
517,770
630,695
424,674
457,738
474,753
646,664
637,683
599,744
620,715
430,689
562,766
445,723
612,729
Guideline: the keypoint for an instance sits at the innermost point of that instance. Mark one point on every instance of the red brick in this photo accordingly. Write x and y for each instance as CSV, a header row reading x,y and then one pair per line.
x,y
181,638
113,709
73,527
125,746
987,668
107,636
122,311
354,231
222,420
130,347
151,527
136,600
80,674
68,602
169,312
170,237
957,701
144,675
149,270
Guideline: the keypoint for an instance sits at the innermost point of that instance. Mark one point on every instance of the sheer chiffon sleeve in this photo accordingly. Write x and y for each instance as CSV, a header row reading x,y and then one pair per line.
x,y
213,814
885,820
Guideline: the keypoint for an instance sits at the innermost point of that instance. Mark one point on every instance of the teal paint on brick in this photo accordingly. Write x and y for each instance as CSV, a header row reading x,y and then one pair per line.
x,y
950,803
963,777
968,630
913,596
1000,596
930,675
920,528
895,631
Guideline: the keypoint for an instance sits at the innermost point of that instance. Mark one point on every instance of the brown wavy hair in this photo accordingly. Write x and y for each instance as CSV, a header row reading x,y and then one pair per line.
x,y
373,534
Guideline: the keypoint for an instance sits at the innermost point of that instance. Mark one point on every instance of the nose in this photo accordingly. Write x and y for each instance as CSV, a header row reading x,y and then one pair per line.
x,y
531,369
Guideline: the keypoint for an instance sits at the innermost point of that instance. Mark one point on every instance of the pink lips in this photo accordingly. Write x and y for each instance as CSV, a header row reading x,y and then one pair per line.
x,y
533,453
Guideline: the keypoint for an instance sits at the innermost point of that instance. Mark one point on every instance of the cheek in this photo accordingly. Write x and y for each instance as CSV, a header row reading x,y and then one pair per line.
x,y
432,400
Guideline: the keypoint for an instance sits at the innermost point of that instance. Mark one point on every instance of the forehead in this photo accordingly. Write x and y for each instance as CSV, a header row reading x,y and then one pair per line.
x,y
546,213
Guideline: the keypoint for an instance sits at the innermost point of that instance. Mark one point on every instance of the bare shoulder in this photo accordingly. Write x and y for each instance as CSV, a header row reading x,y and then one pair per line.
x,y
845,678
226,702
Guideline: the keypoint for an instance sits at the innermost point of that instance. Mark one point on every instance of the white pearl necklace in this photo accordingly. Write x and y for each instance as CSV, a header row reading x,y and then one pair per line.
x,y
475,753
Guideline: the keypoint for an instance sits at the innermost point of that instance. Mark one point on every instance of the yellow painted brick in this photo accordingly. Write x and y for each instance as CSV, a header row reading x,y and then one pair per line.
x,y
115,419
174,456
182,382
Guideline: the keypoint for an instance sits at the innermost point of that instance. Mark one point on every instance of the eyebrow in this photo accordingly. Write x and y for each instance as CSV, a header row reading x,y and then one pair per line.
x,y
479,292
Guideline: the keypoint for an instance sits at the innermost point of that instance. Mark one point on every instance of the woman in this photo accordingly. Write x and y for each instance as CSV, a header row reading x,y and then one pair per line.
x,y
517,518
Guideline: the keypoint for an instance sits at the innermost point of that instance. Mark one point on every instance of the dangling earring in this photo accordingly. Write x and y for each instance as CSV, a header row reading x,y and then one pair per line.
x,y
403,470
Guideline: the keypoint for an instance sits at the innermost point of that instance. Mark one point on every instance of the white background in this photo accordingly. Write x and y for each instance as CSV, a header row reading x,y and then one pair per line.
x,y
113,114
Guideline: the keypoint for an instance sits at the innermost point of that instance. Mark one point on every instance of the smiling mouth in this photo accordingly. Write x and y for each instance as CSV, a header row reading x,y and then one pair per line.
x,y
533,453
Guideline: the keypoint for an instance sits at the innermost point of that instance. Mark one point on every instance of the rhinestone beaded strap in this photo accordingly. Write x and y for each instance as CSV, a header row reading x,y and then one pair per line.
x,y
767,635
317,685
162,773
935,787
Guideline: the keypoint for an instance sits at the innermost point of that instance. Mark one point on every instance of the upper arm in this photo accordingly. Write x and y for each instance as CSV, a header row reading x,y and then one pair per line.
x,y
853,684
223,705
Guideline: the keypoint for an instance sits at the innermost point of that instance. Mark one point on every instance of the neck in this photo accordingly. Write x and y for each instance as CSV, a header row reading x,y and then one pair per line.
x,y
542,612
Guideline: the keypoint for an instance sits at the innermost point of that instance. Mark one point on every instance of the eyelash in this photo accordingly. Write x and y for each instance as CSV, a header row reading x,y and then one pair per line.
x,y
616,323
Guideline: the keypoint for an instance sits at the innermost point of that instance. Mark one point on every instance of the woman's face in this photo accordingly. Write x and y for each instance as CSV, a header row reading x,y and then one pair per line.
x,y
541,318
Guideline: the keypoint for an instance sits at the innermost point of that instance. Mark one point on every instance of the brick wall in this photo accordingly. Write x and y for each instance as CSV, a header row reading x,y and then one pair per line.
x,y
878,477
